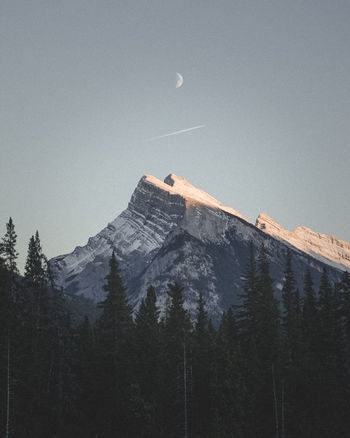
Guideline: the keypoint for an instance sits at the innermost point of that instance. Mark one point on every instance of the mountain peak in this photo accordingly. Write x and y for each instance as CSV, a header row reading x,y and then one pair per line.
x,y
180,186
173,231
172,178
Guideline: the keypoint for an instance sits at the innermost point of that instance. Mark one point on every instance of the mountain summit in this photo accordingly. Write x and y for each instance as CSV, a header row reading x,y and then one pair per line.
x,y
192,195
173,231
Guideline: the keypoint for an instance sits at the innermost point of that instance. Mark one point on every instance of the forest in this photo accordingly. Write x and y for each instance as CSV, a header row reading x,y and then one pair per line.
x,y
270,368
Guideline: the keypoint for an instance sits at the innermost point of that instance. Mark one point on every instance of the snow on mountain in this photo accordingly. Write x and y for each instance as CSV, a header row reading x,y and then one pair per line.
x,y
172,231
329,248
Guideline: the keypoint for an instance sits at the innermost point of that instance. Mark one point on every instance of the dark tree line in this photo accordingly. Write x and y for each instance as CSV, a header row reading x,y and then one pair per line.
x,y
269,369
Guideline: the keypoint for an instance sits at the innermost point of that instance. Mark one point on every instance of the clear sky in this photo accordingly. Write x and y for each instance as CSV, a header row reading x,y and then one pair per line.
x,y
83,84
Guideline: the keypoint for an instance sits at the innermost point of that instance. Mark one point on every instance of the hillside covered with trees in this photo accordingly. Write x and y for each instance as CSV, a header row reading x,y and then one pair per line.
x,y
270,369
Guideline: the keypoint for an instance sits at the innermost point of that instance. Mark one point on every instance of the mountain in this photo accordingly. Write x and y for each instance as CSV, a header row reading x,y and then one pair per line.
x,y
327,248
172,231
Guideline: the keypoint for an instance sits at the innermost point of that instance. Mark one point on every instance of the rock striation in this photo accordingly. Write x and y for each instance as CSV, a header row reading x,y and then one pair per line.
x,y
323,246
172,231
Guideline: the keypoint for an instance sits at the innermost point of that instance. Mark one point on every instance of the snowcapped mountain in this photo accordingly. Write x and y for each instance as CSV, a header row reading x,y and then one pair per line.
x,y
172,231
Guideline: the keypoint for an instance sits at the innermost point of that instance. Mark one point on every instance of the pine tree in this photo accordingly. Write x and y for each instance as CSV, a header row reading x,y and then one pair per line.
x,y
116,361
6,300
116,319
288,298
203,374
230,391
175,342
310,316
35,274
248,309
7,324
85,362
268,313
330,360
147,345
344,295
42,369
249,316
268,349
8,248
329,324
293,351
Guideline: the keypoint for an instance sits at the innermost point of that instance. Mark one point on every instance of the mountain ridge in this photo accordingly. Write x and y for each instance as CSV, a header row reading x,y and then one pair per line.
x,y
329,247
172,231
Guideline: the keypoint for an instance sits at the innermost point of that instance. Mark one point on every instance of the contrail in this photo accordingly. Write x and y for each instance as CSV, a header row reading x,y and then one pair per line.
x,y
176,132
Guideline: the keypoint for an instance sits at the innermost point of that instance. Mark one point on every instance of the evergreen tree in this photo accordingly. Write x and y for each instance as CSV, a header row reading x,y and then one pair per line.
x,y
6,300
230,388
310,312
115,335
85,362
330,362
289,298
35,274
203,368
147,345
8,248
293,352
176,348
344,295
268,350
248,320
116,320
292,317
310,386
268,314
42,353
7,325
248,309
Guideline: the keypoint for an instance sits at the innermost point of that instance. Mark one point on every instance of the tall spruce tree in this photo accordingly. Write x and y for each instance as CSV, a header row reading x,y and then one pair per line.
x,y
248,309
203,367
268,313
148,363
176,343
35,274
41,365
249,315
268,350
7,325
116,320
8,248
289,298
310,312
292,316
230,388
330,362
293,352
115,335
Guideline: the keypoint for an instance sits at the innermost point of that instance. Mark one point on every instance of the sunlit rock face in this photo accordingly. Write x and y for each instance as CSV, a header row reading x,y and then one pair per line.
x,y
172,231
327,248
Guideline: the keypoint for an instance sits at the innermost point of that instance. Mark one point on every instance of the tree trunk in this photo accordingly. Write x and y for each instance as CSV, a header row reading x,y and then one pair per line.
x,y
275,400
8,390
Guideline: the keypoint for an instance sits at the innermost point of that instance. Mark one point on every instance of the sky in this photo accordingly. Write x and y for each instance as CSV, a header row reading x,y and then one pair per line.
x,y
85,84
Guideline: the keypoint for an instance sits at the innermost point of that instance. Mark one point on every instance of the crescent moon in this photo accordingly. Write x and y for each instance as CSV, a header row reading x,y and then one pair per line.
x,y
179,80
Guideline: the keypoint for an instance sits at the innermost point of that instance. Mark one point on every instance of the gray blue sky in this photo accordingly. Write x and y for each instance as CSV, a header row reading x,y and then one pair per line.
x,y
84,83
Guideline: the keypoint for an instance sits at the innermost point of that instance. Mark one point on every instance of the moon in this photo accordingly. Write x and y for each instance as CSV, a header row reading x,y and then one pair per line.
x,y
179,80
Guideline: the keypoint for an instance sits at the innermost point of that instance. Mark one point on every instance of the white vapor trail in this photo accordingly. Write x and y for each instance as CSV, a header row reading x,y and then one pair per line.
x,y
176,132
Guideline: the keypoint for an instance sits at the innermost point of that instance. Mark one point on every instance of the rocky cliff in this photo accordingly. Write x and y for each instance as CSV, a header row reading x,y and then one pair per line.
x,y
172,231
